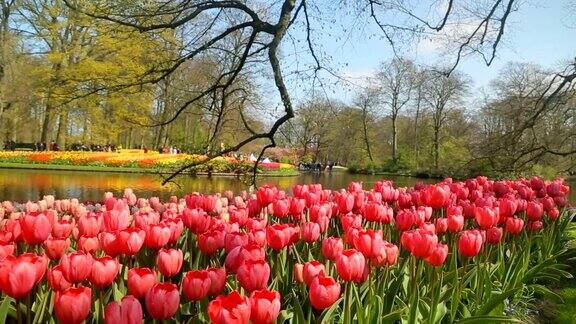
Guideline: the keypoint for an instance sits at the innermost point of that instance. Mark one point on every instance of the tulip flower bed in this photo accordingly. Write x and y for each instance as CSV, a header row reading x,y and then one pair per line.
x,y
472,251
135,159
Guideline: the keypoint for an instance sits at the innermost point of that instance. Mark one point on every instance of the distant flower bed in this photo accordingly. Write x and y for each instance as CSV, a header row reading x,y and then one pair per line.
x,y
134,159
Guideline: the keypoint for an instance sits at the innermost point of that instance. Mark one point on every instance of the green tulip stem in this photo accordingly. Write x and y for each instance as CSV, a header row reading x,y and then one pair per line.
x,y
28,309
347,303
18,314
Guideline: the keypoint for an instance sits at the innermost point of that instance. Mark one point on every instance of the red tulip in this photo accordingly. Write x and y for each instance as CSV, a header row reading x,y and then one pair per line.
x,y
374,212
280,208
279,236
110,243
369,242
470,243
35,228
455,223
40,262
116,219
256,223
89,225
507,207
130,240
548,203
140,280
162,300
406,219
56,279
486,217
144,218
441,225
535,226
319,211
104,271
332,247
534,211
55,248
421,243
297,206
211,203
253,275
324,292
73,304
312,269
238,255
62,228
345,202
169,261
238,215
553,214
197,220
386,256
310,232
232,240
76,266
265,306
17,276
211,241
514,225
438,255
494,235
157,236
436,196
350,265
196,284
13,229
217,280
176,228
88,244
129,311
299,272
6,250
265,195
229,309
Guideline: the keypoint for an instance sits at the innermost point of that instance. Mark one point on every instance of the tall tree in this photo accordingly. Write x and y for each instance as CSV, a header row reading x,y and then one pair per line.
x,y
443,93
7,8
397,79
367,100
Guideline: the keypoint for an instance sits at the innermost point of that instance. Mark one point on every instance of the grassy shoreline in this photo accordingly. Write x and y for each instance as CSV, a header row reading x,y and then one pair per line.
x,y
62,167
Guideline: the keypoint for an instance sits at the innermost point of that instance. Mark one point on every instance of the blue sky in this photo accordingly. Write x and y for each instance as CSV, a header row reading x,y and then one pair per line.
x,y
541,32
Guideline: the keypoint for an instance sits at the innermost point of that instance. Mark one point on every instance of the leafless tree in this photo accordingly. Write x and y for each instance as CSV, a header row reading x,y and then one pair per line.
x,y
367,100
397,81
442,94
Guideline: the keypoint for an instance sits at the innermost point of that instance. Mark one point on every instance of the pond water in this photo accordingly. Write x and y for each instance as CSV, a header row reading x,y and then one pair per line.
x,y
24,185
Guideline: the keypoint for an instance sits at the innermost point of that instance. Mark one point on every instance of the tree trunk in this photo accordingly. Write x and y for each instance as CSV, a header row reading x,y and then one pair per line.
x,y
417,135
436,146
44,136
85,130
366,139
62,132
158,137
129,138
394,139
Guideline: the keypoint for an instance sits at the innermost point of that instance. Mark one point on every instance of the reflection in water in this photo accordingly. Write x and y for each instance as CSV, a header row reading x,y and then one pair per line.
x,y
23,185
